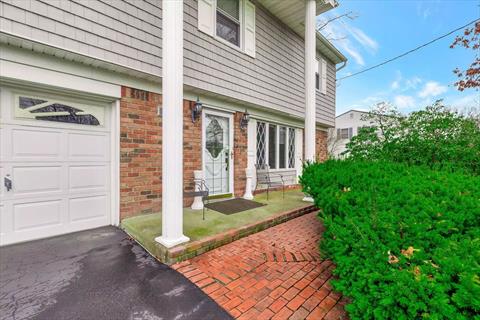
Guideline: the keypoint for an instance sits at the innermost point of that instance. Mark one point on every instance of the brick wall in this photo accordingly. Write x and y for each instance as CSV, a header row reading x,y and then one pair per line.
x,y
240,149
321,150
140,152
192,148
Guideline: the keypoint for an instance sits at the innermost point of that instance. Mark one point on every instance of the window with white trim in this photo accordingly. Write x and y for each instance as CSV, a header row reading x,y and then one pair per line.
x,y
321,75
275,146
230,21
344,133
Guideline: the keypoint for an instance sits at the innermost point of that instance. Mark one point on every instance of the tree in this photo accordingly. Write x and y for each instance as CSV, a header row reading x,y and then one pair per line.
x,y
436,137
334,144
470,77
323,24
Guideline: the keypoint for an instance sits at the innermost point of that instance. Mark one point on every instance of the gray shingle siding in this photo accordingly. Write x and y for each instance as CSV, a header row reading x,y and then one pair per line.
x,y
128,32
125,32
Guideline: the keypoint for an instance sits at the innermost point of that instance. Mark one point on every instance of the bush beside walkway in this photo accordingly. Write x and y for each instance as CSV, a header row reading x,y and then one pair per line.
x,y
405,240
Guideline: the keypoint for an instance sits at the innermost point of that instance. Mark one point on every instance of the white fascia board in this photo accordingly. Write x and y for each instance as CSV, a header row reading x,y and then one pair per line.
x,y
16,71
85,75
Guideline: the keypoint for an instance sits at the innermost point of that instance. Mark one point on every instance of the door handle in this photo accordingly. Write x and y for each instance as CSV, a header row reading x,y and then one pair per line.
x,y
7,182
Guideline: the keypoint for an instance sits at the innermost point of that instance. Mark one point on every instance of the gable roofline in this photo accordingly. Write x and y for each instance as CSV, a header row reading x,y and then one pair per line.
x,y
354,110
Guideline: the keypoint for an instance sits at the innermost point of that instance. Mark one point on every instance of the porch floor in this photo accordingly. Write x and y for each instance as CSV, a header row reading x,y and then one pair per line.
x,y
145,228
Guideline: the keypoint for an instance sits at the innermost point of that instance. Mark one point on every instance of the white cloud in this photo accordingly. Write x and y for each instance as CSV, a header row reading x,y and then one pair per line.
x,y
348,39
432,89
345,45
402,85
466,102
403,102
363,38
412,83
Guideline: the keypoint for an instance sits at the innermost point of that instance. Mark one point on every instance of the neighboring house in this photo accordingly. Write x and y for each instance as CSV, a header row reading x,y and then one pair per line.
x,y
99,105
347,125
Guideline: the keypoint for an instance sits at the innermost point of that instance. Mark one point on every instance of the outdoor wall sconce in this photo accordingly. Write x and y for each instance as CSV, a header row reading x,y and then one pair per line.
x,y
244,120
196,110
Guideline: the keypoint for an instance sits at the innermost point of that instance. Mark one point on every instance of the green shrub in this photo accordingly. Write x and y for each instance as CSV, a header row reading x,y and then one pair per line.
x,y
405,239
436,137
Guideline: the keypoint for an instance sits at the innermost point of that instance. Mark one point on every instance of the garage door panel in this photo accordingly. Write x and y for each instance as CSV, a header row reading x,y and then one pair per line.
x,y
60,169
85,146
87,208
5,225
3,137
88,177
35,144
30,180
35,215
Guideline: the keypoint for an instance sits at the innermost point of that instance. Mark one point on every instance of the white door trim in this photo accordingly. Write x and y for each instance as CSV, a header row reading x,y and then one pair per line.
x,y
115,163
231,133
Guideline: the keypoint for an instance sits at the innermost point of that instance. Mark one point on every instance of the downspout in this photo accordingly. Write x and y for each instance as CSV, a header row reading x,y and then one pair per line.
x,y
342,66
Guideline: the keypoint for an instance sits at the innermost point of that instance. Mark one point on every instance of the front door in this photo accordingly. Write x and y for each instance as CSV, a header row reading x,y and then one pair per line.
x,y
217,153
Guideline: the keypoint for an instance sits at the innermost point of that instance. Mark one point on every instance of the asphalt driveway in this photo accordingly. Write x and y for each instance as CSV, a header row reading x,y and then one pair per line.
x,y
96,274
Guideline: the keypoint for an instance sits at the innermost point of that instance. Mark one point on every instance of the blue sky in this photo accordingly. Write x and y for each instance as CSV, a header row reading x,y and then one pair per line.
x,y
384,29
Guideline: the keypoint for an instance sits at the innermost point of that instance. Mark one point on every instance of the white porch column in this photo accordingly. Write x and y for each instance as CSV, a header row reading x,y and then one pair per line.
x,y
310,39
172,124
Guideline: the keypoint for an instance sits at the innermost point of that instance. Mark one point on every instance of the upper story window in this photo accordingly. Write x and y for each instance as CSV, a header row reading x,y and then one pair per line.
x,y
321,75
229,21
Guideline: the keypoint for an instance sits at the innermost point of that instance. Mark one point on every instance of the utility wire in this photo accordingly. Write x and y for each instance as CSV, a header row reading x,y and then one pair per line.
x,y
408,52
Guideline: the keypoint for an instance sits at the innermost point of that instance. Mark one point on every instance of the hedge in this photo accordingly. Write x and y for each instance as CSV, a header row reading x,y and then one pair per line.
x,y
405,239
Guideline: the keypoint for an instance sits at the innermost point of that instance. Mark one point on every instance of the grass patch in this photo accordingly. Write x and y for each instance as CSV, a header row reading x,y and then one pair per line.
x,y
146,227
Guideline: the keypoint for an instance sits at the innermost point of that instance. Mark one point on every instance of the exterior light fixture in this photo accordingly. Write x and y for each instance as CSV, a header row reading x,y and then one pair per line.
x,y
244,120
196,110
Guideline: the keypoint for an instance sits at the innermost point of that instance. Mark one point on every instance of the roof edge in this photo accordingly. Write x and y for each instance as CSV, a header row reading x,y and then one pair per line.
x,y
340,57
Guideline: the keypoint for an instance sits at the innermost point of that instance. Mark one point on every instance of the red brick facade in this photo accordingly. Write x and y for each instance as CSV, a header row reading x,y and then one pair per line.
x,y
192,148
321,152
240,154
140,152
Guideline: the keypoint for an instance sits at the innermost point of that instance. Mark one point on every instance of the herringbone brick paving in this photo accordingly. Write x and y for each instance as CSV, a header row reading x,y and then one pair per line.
x,y
274,274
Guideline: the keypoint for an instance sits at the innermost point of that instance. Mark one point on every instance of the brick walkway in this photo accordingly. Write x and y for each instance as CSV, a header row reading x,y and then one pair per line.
x,y
273,274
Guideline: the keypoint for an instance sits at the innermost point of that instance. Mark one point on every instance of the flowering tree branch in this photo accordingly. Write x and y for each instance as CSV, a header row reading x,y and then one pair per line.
x,y
470,77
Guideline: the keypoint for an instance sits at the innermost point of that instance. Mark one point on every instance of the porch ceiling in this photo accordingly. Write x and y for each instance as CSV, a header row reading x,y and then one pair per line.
x,y
292,13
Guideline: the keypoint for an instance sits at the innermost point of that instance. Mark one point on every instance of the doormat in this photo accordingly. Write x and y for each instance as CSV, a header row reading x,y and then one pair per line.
x,y
234,205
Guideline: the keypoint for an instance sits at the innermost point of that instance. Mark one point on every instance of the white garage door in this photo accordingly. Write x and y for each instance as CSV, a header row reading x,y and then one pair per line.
x,y
56,153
